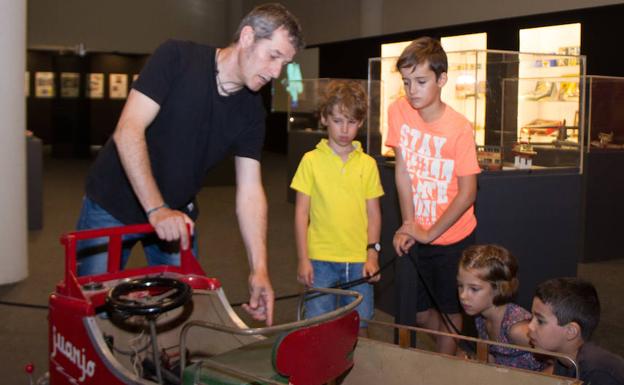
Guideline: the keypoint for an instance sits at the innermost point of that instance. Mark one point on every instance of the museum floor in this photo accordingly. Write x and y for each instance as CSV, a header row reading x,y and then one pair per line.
x,y
23,331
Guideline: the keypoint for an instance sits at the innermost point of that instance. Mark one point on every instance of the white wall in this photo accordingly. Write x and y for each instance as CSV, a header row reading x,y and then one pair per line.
x,y
13,247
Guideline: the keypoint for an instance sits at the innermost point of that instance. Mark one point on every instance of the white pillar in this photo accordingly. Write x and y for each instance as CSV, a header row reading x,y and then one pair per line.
x,y
13,225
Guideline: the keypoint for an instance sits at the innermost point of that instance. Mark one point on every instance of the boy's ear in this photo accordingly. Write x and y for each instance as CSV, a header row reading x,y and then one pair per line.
x,y
572,331
442,79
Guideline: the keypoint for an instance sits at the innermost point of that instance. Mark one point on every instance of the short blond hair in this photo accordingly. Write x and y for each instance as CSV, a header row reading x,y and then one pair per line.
x,y
348,95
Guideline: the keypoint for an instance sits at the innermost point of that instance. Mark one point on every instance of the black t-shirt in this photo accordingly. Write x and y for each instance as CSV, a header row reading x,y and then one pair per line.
x,y
597,365
195,128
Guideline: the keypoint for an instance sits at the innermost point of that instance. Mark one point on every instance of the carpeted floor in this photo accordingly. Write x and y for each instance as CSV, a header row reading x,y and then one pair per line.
x,y
23,331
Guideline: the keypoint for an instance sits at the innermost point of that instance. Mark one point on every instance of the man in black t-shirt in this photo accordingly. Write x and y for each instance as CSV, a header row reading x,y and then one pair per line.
x,y
566,311
191,106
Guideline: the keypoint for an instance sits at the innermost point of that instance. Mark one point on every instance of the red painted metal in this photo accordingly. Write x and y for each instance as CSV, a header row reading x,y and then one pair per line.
x,y
304,357
72,356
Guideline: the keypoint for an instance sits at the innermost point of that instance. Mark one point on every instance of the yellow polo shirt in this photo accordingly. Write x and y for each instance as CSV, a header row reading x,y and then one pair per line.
x,y
338,192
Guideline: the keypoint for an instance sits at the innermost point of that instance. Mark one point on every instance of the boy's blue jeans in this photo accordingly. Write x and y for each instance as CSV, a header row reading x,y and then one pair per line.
x,y
328,274
92,254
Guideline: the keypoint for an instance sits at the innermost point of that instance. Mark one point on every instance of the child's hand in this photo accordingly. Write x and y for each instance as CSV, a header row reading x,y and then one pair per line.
x,y
305,273
402,242
411,233
371,266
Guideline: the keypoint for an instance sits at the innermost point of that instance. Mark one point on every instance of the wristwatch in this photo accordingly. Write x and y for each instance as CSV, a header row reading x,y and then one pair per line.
x,y
375,246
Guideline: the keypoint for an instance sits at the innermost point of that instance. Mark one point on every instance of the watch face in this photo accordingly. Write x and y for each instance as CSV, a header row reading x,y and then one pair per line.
x,y
374,246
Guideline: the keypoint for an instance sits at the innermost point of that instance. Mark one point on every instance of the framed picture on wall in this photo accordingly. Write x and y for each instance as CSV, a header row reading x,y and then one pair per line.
x,y
70,84
95,86
118,86
44,84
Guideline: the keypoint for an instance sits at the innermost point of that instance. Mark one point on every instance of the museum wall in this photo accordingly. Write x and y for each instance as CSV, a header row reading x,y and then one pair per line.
x,y
138,26
330,20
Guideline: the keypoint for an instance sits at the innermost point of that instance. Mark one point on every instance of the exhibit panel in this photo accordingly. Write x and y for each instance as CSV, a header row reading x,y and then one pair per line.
x,y
74,99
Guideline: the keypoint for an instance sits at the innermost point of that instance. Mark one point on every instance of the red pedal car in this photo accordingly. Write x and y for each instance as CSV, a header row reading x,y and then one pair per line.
x,y
174,325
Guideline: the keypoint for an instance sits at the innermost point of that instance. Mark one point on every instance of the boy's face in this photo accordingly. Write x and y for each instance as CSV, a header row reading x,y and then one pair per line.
x,y
341,128
422,89
544,330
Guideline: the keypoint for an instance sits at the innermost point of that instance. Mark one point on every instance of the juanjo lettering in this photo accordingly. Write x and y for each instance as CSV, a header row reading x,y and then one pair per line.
x,y
73,353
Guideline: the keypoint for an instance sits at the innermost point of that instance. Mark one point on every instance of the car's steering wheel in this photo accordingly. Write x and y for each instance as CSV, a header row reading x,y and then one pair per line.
x,y
148,296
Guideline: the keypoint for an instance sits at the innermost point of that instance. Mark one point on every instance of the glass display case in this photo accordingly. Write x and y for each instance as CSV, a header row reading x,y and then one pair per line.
x,y
303,116
537,117
605,117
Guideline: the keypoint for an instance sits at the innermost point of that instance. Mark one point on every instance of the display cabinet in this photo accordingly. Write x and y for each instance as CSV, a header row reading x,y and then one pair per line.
x,y
603,182
520,104
542,122
465,90
605,116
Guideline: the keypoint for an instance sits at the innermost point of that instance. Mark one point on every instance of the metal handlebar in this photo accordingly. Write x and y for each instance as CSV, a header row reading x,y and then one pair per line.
x,y
480,341
268,330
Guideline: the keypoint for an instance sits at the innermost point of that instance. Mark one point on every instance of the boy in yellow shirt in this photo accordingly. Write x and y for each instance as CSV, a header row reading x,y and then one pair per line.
x,y
337,213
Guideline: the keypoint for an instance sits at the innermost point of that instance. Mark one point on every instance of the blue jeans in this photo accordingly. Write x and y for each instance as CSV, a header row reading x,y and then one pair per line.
x,y
328,274
92,254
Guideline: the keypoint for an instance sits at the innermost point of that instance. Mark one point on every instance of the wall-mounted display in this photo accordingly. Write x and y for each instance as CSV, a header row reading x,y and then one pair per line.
x,y
118,86
27,84
289,83
44,84
70,84
94,86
